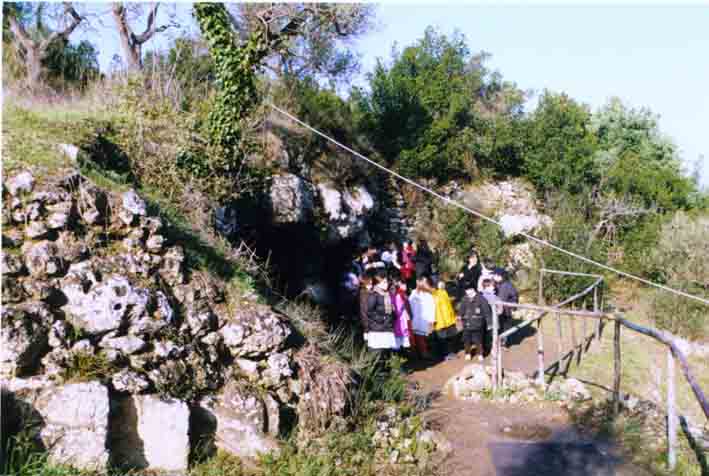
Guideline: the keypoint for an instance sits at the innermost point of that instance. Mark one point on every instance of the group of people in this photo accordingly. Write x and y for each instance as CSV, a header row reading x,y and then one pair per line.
x,y
401,303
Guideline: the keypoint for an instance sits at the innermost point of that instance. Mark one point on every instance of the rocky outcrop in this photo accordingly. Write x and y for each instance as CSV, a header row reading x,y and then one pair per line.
x,y
94,289
291,199
346,211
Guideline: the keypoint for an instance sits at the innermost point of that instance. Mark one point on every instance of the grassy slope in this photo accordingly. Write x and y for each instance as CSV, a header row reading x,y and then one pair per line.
x,y
643,374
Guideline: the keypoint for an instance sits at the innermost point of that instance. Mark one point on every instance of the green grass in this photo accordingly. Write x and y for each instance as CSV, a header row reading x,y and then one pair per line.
x,y
643,375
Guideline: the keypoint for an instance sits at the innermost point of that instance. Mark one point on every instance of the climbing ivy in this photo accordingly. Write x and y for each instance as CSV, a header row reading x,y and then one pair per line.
x,y
235,73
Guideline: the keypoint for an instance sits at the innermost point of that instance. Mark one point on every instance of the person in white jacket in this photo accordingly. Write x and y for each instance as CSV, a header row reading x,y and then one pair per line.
x,y
423,308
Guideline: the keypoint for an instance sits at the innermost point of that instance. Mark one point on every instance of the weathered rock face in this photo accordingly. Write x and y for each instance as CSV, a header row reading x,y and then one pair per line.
x,y
24,338
70,421
347,211
291,199
254,332
90,281
239,421
149,433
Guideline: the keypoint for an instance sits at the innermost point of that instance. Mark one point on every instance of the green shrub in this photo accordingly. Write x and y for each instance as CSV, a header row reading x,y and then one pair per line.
x,y
681,260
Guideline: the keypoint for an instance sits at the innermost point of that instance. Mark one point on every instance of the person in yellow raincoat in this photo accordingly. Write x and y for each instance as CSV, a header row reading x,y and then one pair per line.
x,y
445,324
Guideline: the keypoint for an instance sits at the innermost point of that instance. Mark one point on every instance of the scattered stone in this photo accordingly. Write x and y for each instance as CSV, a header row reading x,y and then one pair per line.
x,y
59,335
155,243
248,368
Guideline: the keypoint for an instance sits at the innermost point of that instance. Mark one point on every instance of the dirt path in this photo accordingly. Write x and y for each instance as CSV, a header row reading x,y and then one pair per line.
x,y
495,439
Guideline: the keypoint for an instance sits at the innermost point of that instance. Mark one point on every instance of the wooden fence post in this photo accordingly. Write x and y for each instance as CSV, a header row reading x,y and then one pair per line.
x,y
540,336
671,413
560,344
496,371
595,309
616,359
540,353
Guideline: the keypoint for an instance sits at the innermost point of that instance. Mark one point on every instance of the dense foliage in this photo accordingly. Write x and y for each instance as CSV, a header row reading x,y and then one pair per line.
x,y
437,112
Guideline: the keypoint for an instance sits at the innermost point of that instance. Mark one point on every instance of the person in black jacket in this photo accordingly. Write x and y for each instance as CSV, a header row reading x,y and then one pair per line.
x,y
474,312
469,275
506,292
423,259
380,315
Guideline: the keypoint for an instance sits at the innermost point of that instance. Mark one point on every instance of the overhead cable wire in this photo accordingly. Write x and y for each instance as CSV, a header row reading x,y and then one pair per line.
x,y
484,217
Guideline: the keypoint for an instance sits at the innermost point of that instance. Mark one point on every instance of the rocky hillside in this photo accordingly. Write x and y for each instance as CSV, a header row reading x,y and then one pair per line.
x,y
113,346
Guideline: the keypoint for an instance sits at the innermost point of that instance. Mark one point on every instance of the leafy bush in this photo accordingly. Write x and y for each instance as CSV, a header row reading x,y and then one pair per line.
x,y
572,232
681,260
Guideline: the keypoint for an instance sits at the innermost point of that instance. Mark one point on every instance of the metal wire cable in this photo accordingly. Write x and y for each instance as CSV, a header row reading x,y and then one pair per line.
x,y
484,217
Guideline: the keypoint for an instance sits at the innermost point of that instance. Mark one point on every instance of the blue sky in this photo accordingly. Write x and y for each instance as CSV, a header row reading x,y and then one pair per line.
x,y
652,56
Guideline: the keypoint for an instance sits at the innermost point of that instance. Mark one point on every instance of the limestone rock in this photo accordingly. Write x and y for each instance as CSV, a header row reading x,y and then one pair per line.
x,y
347,211
129,381
171,269
42,259
70,420
104,307
150,433
570,389
12,290
291,199
11,264
69,150
20,183
24,337
237,421
59,335
125,344
248,368
133,203
473,378
36,229
515,224
277,369
254,332
92,204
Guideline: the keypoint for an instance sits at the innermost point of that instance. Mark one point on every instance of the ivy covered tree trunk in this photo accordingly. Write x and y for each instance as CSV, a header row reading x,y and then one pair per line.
x,y
235,71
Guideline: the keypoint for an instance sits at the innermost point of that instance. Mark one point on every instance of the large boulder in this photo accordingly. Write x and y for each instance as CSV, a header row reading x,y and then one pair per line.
x,y
70,421
24,337
150,433
291,199
238,421
517,224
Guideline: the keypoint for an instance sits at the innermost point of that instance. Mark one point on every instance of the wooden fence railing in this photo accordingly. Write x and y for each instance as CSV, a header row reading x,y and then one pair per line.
x,y
600,316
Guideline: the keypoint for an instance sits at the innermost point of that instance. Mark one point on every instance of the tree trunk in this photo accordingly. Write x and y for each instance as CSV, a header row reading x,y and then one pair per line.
x,y
33,63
